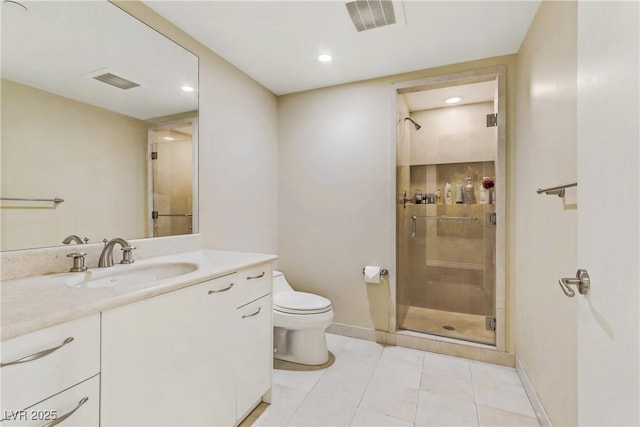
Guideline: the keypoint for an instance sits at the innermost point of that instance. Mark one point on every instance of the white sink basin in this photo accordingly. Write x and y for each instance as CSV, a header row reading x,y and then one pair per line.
x,y
135,275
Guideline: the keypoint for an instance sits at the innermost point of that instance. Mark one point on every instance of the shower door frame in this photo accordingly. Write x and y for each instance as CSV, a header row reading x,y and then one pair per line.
x,y
496,73
195,219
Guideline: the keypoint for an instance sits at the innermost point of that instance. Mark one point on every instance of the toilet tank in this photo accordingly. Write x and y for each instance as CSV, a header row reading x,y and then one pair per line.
x,y
280,283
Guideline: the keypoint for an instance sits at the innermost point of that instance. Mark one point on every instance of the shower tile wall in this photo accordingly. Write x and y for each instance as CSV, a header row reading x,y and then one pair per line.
x,y
451,265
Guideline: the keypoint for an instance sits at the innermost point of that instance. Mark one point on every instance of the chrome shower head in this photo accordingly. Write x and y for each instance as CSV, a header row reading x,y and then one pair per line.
x,y
414,123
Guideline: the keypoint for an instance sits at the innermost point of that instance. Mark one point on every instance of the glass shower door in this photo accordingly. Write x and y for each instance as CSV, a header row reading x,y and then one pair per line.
x,y
172,175
447,259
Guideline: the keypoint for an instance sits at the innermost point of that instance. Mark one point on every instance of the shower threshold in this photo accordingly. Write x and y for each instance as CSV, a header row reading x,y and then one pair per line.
x,y
461,326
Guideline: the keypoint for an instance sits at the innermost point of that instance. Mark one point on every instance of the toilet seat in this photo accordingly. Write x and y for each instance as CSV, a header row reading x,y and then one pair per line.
x,y
301,303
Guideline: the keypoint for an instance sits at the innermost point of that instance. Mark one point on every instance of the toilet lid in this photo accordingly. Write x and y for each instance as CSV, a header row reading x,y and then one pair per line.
x,y
300,303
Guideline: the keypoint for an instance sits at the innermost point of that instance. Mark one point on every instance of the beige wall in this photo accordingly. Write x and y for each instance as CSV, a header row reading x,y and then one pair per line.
x,y
237,148
92,158
546,226
453,135
337,192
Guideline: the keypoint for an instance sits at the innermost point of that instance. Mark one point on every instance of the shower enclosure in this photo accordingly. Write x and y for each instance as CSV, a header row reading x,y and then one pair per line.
x,y
446,258
171,179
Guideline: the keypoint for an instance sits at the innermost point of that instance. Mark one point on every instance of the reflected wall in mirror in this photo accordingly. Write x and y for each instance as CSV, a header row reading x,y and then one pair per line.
x,y
69,133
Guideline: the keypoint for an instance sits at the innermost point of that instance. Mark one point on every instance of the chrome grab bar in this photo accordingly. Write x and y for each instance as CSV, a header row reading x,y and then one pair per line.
x,y
22,199
438,218
559,190
67,415
38,355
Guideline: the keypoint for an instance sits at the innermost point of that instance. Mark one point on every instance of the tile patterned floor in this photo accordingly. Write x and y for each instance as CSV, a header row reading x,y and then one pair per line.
x,y
367,384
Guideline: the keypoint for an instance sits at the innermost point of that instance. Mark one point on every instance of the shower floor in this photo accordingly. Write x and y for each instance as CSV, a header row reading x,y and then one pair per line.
x,y
468,327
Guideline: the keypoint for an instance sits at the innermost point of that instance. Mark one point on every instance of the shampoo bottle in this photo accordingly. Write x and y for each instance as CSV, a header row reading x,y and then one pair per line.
x,y
467,192
458,193
484,195
448,197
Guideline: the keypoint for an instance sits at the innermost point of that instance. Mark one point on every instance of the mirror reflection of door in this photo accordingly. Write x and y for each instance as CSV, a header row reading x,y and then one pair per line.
x,y
172,179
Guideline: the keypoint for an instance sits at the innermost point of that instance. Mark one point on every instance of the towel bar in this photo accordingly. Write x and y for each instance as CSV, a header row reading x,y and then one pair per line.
x,y
20,199
559,190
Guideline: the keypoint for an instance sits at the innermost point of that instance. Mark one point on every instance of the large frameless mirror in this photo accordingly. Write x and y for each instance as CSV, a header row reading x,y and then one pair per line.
x,y
90,98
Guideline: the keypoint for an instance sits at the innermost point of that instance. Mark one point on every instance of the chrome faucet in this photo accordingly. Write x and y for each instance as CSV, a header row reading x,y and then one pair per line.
x,y
106,256
73,238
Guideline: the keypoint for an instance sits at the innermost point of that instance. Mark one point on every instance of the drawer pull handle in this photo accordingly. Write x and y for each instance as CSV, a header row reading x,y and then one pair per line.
x,y
67,415
255,277
244,316
221,290
38,355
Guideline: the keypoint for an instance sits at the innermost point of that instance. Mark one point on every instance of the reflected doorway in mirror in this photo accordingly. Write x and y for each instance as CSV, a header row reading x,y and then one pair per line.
x,y
172,172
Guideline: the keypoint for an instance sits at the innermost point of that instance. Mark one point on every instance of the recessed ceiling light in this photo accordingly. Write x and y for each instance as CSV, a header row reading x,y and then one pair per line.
x,y
187,88
324,58
453,100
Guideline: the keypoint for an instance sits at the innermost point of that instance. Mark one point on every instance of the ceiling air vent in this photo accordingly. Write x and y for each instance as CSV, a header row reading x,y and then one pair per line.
x,y
370,14
117,81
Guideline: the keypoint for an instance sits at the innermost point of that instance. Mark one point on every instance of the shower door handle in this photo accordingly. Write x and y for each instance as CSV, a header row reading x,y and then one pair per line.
x,y
404,199
581,281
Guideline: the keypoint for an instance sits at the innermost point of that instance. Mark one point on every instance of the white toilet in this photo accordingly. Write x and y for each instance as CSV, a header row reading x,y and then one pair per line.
x,y
299,323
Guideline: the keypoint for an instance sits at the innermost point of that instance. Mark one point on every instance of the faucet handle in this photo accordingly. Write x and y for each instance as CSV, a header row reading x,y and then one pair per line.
x,y
78,262
127,254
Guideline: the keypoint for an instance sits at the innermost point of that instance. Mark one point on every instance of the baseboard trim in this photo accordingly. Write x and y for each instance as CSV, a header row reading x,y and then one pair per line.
x,y
536,403
425,342
381,337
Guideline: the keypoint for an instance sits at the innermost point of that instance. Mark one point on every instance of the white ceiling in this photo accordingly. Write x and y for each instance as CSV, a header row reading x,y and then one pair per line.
x,y
58,46
435,98
278,42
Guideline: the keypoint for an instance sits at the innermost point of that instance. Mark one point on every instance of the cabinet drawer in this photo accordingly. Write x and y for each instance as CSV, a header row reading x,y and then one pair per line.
x,y
225,289
80,404
255,282
76,358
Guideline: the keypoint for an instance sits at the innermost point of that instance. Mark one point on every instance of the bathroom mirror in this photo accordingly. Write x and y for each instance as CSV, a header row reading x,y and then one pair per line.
x,y
88,91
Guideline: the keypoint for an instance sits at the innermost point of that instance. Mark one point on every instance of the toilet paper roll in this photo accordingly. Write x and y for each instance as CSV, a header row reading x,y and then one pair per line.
x,y
371,274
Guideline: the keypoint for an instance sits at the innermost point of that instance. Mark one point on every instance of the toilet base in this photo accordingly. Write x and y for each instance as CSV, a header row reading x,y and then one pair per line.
x,y
306,347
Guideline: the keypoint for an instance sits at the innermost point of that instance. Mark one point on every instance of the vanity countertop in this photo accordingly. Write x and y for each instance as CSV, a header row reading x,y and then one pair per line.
x,y
32,303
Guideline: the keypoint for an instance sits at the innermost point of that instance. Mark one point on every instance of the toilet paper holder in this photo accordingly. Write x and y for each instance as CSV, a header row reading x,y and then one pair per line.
x,y
383,271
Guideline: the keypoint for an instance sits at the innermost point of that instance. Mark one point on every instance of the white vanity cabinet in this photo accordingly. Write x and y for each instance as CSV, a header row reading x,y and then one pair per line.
x,y
255,338
177,359
42,364
167,360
